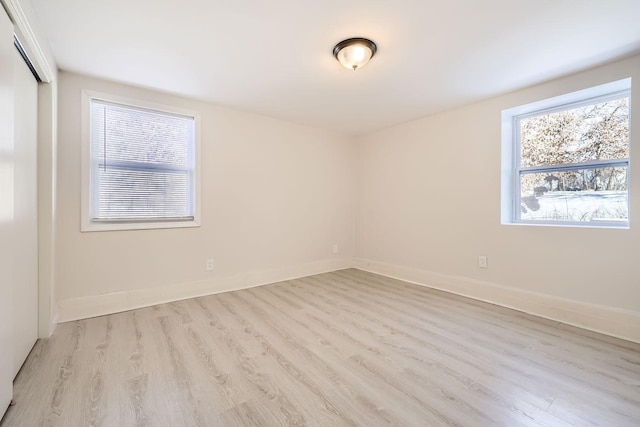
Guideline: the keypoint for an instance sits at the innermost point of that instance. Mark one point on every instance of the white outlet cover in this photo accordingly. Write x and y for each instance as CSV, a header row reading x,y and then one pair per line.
x,y
482,261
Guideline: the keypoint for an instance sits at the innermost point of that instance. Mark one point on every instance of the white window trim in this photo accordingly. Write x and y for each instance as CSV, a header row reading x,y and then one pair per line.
x,y
86,225
510,161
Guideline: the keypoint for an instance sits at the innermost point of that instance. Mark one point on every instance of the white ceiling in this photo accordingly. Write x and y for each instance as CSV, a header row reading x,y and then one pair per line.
x,y
274,56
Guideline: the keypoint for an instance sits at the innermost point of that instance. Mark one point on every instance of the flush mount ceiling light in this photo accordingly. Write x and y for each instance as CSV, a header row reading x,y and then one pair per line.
x,y
354,53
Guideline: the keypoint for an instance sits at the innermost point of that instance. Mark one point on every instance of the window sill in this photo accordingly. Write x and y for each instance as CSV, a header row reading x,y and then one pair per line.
x,y
606,226
91,227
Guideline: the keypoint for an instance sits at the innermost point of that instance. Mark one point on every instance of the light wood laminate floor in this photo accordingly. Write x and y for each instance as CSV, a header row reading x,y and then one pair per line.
x,y
340,349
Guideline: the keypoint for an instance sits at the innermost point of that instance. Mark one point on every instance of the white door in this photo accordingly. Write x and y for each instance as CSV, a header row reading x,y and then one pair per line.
x,y
7,218
25,184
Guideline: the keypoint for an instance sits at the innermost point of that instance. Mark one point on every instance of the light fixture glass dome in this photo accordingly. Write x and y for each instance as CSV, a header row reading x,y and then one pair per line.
x,y
354,53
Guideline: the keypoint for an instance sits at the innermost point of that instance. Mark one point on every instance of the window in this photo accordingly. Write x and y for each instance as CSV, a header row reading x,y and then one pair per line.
x,y
139,166
565,160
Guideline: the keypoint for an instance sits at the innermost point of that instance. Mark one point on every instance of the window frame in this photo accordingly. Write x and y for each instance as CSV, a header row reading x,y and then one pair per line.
x,y
87,223
512,169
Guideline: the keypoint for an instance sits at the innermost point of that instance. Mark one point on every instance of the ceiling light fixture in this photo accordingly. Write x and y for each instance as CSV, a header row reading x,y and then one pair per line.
x,y
354,53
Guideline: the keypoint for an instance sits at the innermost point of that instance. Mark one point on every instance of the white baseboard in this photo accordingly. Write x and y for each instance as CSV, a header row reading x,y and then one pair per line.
x,y
53,325
612,321
46,330
100,305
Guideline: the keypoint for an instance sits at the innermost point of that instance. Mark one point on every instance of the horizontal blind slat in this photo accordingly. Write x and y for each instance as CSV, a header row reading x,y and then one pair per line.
x,y
151,157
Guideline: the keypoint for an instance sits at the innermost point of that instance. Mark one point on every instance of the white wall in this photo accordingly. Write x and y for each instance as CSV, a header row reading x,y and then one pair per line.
x,y
47,187
413,226
275,197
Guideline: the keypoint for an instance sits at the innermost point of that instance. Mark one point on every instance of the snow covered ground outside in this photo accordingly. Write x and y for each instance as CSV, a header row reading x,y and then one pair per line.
x,y
580,206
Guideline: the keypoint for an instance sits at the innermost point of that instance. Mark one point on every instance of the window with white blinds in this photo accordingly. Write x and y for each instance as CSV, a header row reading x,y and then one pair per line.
x,y
142,165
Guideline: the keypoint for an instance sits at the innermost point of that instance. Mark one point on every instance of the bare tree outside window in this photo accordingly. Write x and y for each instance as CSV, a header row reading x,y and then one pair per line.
x,y
574,163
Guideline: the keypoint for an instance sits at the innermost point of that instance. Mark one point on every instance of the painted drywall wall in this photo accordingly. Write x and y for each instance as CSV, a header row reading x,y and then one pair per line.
x,y
429,205
47,187
275,196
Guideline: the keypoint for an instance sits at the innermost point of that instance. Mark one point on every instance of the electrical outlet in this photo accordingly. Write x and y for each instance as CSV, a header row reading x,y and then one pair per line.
x,y
335,249
482,261
209,264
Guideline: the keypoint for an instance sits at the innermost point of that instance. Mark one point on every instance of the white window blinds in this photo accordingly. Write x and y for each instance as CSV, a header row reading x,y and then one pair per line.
x,y
142,164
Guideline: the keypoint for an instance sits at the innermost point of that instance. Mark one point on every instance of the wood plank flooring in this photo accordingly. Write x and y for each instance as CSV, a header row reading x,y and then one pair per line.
x,y
340,349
